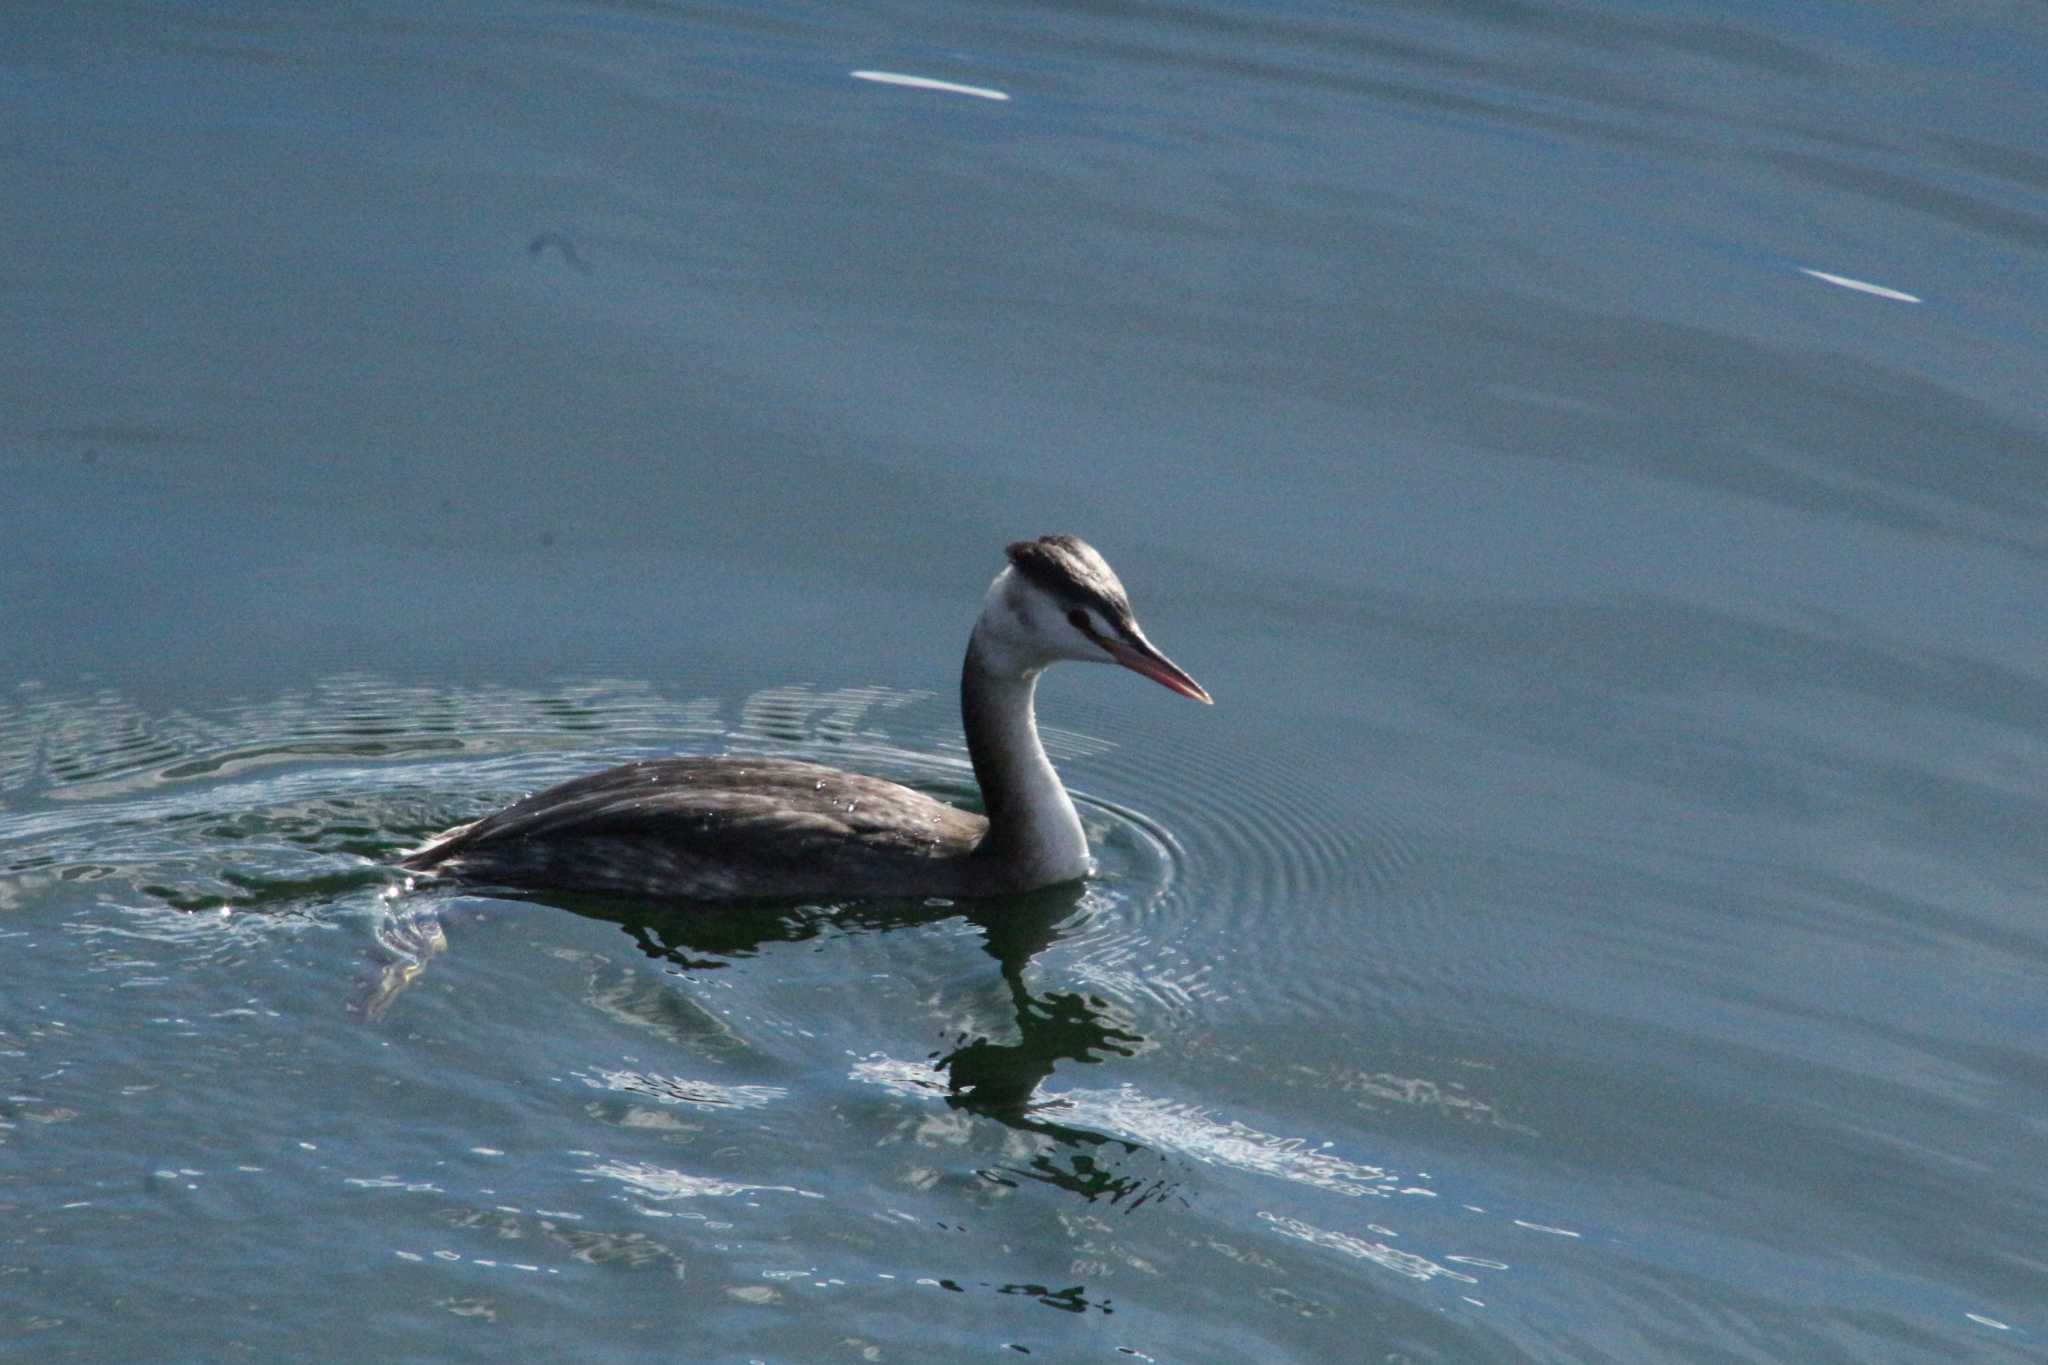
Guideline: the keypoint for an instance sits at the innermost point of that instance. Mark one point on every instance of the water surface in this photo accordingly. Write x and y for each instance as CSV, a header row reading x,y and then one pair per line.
x,y
1592,453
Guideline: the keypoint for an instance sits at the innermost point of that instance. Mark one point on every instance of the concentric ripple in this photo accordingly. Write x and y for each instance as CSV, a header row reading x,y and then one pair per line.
x,y
1231,849
1256,829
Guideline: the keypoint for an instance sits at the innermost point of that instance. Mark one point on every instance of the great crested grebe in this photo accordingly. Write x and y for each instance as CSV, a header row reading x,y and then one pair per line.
x,y
738,828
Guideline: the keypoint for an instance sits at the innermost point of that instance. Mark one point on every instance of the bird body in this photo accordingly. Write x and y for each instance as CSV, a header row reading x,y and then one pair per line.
x,y
727,828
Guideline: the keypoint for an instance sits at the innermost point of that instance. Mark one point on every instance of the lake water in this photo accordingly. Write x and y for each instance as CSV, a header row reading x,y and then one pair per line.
x,y
1594,453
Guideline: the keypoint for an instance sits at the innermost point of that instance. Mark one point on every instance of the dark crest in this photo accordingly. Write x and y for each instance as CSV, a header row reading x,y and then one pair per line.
x,y
1069,566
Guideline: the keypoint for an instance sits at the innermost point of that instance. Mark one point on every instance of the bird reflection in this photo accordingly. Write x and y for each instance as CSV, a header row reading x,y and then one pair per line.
x,y
983,1075
999,1078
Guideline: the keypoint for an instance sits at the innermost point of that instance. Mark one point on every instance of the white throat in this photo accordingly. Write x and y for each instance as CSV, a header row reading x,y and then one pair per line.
x,y
1033,828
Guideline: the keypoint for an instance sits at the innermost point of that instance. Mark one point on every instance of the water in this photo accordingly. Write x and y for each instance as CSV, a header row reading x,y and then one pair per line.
x,y
1599,920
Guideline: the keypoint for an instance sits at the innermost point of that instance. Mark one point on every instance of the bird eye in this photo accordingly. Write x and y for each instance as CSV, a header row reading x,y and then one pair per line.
x,y
1078,619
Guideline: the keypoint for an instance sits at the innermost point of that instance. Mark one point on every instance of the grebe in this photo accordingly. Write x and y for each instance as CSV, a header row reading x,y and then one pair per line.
x,y
741,828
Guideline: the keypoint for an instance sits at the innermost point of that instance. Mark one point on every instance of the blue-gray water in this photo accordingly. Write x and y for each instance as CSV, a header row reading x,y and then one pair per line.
x,y
1602,918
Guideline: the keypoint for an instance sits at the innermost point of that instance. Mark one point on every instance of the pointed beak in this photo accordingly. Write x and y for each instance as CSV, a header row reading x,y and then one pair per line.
x,y
1140,657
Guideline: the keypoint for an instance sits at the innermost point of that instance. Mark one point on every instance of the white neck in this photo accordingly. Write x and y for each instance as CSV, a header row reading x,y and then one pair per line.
x,y
1032,825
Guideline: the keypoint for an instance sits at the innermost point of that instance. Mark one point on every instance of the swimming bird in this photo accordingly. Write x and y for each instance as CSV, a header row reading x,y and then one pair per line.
x,y
733,828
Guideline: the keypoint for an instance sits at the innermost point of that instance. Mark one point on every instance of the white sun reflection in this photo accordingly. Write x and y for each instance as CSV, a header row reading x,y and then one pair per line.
x,y
980,92
1406,1263
1863,286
